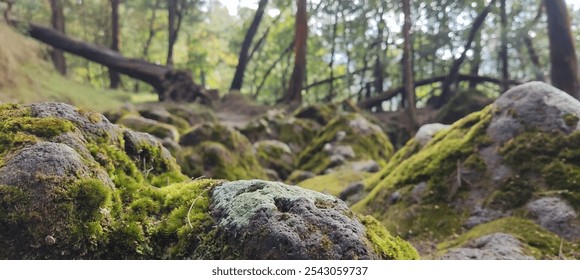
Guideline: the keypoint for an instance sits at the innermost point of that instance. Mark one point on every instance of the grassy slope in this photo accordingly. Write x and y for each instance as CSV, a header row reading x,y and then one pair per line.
x,y
25,77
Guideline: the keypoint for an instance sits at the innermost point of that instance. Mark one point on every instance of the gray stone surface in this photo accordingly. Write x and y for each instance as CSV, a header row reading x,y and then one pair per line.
x,y
272,220
532,105
365,166
427,131
496,246
555,215
97,128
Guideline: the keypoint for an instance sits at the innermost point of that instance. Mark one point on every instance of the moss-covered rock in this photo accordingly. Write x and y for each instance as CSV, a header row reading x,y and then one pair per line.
x,y
221,151
274,221
496,163
74,186
321,113
276,125
275,155
152,127
347,137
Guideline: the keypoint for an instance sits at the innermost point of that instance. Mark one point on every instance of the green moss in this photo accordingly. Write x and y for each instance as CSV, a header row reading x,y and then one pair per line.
x,y
387,246
514,193
462,104
570,119
333,183
222,152
91,115
537,241
375,145
434,163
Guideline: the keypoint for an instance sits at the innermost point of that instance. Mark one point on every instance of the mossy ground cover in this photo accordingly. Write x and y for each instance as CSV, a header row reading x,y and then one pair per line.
x,y
333,183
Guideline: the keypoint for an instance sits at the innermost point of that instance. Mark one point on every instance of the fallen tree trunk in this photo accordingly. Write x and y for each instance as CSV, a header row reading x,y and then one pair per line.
x,y
387,95
170,84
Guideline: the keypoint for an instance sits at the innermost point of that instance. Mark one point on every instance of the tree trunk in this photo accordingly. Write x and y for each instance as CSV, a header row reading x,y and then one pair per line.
x,y
534,57
114,76
476,62
175,10
504,48
243,57
58,23
564,68
294,94
171,85
271,68
454,72
408,78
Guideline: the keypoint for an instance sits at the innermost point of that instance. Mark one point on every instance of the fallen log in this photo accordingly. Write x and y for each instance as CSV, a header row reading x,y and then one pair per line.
x,y
170,84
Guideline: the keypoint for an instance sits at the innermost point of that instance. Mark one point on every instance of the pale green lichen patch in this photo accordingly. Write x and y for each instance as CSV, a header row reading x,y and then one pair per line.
x,y
242,199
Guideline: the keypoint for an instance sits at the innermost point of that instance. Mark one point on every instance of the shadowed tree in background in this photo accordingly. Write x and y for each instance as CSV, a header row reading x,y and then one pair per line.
x,y
503,53
115,78
58,23
243,56
294,94
408,78
564,63
446,90
175,13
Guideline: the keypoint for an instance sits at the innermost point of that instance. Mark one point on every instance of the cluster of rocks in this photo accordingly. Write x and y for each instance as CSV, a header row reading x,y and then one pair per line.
x,y
75,186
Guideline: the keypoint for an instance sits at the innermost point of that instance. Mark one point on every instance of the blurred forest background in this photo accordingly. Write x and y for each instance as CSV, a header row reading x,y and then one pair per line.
x,y
354,49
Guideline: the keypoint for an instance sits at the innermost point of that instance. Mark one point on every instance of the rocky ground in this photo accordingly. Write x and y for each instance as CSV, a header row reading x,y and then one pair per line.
x,y
500,183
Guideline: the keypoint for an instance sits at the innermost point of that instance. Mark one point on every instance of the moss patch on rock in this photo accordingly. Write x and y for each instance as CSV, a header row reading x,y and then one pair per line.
x,y
366,140
222,152
333,183
537,241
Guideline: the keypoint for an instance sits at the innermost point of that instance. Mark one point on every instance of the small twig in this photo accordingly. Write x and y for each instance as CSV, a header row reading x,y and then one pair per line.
x,y
560,253
459,173
191,207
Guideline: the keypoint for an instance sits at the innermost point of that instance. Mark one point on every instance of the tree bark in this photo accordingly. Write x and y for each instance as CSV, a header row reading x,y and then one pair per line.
x,y
504,48
377,100
564,63
454,72
243,56
114,76
175,10
294,94
408,78
58,23
171,85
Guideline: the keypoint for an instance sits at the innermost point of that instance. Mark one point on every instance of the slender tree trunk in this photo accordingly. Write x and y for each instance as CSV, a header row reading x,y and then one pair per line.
x,y
504,48
408,79
534,57
150,36
294,94
175,10
564,68
271,68
476,63
331,94
114,76
58,23
243,56
454,71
